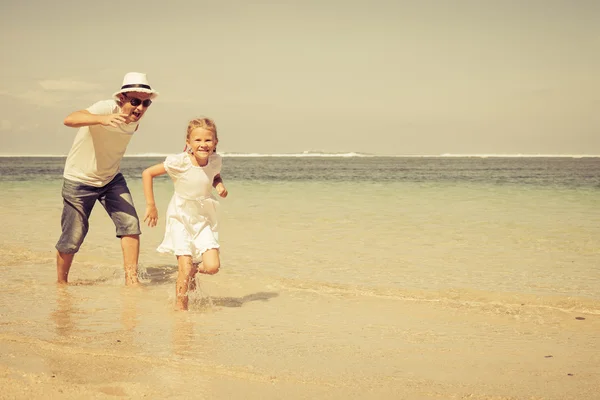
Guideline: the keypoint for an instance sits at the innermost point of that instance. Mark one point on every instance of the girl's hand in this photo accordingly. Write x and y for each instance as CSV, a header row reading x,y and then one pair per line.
x,y
221,190
151,215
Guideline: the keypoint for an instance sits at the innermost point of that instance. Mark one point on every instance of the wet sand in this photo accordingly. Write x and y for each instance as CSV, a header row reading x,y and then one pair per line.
x,y
278,341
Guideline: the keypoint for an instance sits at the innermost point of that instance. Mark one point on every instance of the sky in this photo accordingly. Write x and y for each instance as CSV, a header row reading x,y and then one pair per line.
x,y
390,77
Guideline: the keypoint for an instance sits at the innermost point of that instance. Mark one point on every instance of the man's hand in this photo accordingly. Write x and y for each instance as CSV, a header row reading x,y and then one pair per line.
x,y
113,119
151,215
221,190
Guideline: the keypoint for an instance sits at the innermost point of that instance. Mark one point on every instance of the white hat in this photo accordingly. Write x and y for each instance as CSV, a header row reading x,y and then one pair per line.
x,y
136,82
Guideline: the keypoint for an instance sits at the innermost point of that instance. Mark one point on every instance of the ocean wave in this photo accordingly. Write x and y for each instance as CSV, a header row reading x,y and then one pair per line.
x,y
357,154
303,154
518,155
32,155
258,155
487,301
324,154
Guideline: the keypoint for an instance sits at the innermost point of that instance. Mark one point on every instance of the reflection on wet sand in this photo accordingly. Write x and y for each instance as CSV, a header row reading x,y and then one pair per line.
x,y
182,335
63,314
129,315
188,336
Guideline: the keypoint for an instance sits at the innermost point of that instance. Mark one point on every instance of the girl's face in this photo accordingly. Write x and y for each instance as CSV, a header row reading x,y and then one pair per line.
x,y
202,142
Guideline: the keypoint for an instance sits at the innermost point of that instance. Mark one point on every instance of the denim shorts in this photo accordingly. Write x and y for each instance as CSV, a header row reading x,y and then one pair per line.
x,y
78,201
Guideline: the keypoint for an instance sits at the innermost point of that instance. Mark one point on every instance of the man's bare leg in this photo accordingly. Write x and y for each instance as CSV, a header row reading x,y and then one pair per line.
x,y
63,265
130,245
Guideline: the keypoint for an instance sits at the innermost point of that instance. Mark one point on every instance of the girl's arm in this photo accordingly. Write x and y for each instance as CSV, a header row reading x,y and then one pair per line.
x,y
147,179
219,185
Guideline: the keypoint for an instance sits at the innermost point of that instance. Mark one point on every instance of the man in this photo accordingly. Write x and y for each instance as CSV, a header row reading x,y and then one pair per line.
x,y
92,172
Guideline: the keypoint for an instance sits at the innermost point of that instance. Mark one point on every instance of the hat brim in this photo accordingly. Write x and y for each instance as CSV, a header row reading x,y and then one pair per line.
x,y
153,93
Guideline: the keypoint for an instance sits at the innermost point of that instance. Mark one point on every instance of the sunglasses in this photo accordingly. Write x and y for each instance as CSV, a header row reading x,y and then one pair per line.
x,y
134,101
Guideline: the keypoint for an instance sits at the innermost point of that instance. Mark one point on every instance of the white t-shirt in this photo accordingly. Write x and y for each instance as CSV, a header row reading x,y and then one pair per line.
x,y
192,182
96,154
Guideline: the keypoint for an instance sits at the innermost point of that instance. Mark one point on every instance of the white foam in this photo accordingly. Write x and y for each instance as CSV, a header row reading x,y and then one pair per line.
x,y
303,154
31,155
341,155
519,155
354,154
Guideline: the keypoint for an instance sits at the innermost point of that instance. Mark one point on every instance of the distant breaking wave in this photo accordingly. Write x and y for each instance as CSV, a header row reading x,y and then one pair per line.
x,y
303,154
356,154
344,155
517,155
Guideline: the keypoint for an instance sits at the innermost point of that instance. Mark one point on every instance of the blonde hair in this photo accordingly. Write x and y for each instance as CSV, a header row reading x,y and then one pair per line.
x,y
205,123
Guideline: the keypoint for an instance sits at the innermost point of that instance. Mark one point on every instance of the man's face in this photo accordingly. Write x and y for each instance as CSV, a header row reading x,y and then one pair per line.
x,y
134,104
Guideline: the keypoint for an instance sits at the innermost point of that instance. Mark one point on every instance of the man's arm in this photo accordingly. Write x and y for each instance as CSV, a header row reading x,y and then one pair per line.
x,y
85,118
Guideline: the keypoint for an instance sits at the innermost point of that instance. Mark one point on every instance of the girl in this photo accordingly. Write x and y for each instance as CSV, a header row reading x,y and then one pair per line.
x,y
191,222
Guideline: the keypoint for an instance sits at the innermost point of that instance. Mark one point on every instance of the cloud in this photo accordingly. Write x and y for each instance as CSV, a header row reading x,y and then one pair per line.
x,y
54,92
37,97
42,98
68,85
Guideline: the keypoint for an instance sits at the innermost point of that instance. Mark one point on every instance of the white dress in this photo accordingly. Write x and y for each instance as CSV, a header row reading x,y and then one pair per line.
x,y
191,221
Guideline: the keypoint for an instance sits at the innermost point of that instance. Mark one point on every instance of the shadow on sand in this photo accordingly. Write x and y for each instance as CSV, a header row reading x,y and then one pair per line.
x,y
159,275
237,301
168,273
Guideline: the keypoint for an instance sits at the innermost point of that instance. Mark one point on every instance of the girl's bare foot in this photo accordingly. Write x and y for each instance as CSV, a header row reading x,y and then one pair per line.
x,y
182,303
132,280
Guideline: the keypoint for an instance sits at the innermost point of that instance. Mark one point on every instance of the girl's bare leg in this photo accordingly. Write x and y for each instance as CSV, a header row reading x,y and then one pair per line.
x,y
210,262
183,281
192,286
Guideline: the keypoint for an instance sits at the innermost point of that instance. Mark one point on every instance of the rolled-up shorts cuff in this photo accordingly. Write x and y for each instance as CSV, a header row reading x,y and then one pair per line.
x,y
129,233
64,250
118,202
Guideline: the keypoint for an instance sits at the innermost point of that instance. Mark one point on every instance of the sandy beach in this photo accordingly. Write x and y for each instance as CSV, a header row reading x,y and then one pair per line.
x,y
285,341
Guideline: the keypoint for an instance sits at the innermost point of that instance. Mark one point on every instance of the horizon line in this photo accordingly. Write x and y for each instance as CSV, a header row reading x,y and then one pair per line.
x,y
341,154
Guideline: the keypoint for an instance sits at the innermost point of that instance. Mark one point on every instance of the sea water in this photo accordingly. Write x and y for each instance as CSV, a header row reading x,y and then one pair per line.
x,y
381,224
